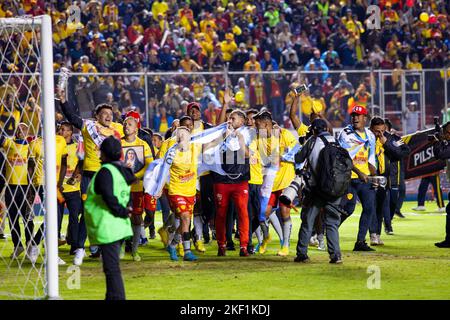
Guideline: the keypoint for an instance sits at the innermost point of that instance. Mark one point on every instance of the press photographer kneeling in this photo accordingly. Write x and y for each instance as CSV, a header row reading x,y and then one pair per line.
x,y
323,159
441,150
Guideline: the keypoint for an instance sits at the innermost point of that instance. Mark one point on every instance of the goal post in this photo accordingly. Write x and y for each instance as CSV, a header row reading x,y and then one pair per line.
x,y
42,51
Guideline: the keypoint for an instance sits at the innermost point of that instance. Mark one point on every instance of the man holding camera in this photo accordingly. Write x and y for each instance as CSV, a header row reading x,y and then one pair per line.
x,y
314,202
360,144
441,150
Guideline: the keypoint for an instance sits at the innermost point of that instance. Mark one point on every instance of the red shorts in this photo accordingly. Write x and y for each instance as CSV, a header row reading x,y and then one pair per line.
x,y
273,201
181,204
149,202
137,200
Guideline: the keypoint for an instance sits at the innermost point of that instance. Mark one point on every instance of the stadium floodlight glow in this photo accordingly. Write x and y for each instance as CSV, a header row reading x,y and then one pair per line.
x,y
41,27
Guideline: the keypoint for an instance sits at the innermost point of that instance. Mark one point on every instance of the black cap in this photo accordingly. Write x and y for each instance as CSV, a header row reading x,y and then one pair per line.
x,y
263,115
319,125
112,148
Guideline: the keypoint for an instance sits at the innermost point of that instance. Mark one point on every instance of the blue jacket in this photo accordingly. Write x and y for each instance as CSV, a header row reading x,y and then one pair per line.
x,y
263,63
157,122
319,65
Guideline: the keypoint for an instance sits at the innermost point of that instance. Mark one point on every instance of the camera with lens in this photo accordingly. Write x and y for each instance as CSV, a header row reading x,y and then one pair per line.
x,y
300,89
437,135
378,182
295,188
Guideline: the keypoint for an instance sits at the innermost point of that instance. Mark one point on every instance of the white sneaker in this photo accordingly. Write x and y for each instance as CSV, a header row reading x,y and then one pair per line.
x,y
321,246
373,239
80,253
380,242
33,253
61,262
419,208
441,209
17,252
313,241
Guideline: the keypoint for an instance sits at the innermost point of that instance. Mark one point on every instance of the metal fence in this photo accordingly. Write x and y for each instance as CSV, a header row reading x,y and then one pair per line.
x,y
386,93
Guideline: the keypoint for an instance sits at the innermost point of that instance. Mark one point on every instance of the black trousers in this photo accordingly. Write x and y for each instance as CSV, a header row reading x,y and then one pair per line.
x,y
18,207
254,206
76,231
115,289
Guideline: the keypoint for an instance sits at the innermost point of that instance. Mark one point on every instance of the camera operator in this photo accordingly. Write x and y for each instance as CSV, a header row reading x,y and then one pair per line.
x,y
388,149
441,150
313,202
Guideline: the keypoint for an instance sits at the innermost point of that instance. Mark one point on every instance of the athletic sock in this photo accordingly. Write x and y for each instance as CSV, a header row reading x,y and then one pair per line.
x,y
287,227
186,242
264,229
276,224
136,238
176,240
198,227
259,234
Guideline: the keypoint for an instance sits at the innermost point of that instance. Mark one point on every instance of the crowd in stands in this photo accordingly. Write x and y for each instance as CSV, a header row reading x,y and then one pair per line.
x,y
189,36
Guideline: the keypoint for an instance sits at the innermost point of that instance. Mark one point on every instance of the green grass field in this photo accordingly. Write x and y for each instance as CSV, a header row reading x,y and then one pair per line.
x,y
411,267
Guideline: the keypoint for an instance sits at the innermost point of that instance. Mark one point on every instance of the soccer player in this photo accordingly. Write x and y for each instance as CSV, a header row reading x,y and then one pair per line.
x,y
36,172
93,132
133,147
206,184
182,190
76,235
17,152
233,185
273,144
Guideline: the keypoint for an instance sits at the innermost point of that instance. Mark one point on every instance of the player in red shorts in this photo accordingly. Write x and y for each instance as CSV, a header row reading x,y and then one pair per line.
x,y
137,156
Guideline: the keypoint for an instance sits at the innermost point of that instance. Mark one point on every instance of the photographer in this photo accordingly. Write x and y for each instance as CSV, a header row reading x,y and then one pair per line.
x,y
441,150
313,201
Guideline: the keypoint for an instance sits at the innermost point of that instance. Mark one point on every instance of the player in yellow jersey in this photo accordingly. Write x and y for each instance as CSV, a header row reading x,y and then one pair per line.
x,y
182,190
76,230
273,144
137,156
36,173
93,132
16,178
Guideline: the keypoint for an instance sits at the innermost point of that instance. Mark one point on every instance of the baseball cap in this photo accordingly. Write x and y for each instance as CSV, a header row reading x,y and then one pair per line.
x,y
134,115
193,105
112,148
319,125
359,110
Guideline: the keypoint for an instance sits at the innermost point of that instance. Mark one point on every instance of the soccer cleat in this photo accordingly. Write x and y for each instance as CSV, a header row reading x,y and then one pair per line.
x,y
263,247
61,262
400,215
257,247
143,241
389,232
33,253
313,242
243,252
152,234
136,257
321,245
418,208
189,256
17,252
221,252
199,246
80,253
180,249
284,252
164,235
443,244
95,254
380,242
362,246
441,209
373,239
303,258
173,253
250,249
2,236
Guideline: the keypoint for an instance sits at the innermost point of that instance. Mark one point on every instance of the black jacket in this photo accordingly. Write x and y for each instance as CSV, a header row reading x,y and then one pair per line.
x,y
104,186
394,152
441,150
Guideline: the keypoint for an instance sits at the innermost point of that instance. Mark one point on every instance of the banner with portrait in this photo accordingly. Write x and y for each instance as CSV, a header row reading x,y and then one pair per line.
x,y
133,157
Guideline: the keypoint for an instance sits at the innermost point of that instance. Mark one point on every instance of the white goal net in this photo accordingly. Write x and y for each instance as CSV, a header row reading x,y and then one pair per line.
x,y
27,247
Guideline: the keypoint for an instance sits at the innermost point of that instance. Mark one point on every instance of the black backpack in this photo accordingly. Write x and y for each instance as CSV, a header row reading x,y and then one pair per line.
x,y
335,171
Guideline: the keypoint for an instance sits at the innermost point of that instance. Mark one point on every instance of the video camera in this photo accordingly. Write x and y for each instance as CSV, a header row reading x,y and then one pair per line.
x,y
437,135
